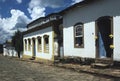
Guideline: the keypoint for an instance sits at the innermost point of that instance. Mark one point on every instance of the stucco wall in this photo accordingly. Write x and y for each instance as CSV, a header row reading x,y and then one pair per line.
x,y
89,42
116,25
88,14
41,33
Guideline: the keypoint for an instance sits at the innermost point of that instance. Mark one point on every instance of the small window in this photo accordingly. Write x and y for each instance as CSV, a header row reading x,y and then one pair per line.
x,y
39,44
46,43
29,44
78,35
25,44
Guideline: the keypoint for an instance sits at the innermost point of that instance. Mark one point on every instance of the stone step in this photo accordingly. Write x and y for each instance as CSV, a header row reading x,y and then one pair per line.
x,y
99,65
104,61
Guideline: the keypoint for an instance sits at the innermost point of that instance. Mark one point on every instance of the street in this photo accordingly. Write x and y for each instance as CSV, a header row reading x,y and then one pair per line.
x,y
15,70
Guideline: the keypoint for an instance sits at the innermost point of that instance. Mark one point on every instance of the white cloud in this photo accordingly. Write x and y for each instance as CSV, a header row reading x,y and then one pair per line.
x,y
37,7
4,35
19,1
36,12
8,26
34,3
13,20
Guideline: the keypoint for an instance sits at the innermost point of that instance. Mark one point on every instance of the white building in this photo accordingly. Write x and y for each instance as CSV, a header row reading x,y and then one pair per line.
x,y
41,40
8,50
92,29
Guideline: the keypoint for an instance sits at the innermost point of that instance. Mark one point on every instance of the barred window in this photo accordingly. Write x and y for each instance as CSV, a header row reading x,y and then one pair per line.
x,y
78,35
39,44
46,43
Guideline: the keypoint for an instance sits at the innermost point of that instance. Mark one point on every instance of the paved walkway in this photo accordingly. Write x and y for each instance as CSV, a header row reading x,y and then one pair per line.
x,y
108,71
15,70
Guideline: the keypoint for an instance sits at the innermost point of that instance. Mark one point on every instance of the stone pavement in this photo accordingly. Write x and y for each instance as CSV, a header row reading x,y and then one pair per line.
x,y
16,70
108,71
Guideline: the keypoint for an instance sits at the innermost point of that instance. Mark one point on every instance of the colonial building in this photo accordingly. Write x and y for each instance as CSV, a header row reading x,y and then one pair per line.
x,y
43,38
92,30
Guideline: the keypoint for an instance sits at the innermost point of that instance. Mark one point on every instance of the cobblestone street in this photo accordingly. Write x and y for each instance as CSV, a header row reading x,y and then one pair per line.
x,y
15,70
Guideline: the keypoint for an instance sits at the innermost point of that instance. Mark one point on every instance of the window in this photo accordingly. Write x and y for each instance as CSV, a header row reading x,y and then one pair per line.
x,y
29,44
46,43
25,44
39,44
78,35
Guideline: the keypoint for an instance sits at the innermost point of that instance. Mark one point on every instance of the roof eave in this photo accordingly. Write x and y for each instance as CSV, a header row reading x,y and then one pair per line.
x,y
80,4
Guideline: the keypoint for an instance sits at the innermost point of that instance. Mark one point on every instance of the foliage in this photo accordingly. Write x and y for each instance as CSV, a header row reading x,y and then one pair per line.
x,y
17,42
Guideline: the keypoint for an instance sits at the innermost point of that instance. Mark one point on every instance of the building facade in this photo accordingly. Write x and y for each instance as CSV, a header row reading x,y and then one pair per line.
x,y
91,29
40,40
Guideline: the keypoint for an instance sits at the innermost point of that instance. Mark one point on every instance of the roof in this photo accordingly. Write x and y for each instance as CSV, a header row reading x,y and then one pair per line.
x,y
42,18
80,4
51,23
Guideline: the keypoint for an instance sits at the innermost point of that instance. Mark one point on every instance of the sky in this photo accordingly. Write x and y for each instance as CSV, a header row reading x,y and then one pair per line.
x,y
16,14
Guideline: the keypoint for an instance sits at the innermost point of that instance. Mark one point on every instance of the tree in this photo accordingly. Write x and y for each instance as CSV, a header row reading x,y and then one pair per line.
x,y
17,42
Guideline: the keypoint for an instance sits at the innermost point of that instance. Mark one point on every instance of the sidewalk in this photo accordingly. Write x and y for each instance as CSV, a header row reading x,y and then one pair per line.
x,y
109,72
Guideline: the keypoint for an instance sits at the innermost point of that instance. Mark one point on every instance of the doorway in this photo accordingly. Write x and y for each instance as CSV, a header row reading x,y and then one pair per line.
x,y
104,32
34,48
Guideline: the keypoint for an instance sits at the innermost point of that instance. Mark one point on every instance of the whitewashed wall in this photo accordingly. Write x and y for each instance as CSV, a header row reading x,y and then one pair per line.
x,y
88,14
116,29
89,42
41,33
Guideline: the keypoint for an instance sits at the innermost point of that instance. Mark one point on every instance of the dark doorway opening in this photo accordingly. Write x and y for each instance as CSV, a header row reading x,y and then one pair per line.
x,y
34,48
104,30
